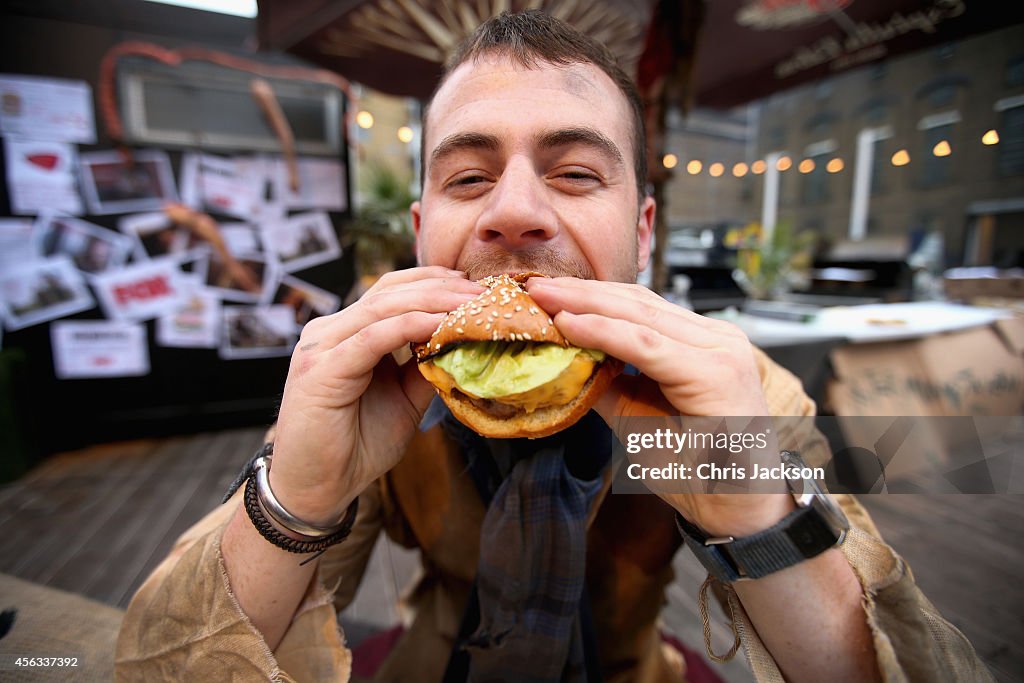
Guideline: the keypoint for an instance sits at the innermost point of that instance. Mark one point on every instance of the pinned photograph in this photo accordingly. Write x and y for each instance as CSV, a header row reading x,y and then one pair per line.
x,y
258,332
197,321
302,241
321,184
241,238
91,248
245,278
260,173
39,291
155,235
219,185
113,184
308,301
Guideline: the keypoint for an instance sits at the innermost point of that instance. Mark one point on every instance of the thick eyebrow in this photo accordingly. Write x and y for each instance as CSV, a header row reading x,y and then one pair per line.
x,y
564,137
464,141
587,137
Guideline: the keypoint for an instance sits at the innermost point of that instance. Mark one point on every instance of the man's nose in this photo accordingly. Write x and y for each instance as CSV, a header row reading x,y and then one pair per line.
x,y
518,213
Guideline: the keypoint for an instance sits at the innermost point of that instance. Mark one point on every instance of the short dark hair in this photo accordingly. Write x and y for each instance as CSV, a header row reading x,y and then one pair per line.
x,y
530,37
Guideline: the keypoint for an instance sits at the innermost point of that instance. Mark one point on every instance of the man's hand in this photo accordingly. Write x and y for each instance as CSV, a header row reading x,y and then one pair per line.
x,y
348,409
347,414
692,365
698,366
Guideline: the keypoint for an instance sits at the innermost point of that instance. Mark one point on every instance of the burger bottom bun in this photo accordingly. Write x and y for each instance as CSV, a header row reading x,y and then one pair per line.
x,y
541,422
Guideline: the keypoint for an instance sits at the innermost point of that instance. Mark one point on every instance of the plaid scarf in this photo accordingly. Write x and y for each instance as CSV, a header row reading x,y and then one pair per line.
x,y
528,618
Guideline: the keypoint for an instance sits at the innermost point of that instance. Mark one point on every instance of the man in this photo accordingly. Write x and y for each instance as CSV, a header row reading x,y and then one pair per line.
x,y
533,160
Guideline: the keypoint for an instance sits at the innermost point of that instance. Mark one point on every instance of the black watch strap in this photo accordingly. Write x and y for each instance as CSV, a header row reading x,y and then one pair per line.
x,y
800,535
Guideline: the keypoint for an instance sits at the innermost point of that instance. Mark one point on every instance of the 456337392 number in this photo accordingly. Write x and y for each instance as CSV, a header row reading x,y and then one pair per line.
x,y
45,662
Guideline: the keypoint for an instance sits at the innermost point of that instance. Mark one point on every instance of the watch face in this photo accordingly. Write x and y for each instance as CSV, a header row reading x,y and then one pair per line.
x,y
809,494
800,486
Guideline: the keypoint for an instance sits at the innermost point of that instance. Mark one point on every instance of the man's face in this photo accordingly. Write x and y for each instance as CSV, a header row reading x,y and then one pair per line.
x,y
531,169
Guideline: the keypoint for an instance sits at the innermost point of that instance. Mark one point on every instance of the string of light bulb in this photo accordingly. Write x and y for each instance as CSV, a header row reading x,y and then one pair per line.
x,y
901,157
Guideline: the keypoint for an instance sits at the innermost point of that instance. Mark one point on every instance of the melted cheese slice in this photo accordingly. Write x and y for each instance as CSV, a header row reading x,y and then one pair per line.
x,y
559,391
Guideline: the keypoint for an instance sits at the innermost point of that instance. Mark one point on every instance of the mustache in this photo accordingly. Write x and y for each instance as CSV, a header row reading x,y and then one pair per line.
x,y
542,259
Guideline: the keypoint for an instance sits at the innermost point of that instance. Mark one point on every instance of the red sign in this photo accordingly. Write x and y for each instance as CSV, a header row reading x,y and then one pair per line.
x,y
143,290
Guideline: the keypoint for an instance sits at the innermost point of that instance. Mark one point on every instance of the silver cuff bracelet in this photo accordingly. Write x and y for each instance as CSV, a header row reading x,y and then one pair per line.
x,y
286,521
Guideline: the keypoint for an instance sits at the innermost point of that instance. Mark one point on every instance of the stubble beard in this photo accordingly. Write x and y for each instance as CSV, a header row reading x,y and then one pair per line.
x,y
544,259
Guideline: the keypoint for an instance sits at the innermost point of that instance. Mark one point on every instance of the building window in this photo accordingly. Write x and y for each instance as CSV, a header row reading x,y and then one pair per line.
x,y
1015,72
1011,142
815,185
942,96
877,115
936,170
820,125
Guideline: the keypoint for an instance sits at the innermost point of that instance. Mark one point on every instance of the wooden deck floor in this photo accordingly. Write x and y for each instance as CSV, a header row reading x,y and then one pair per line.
x,y
97,521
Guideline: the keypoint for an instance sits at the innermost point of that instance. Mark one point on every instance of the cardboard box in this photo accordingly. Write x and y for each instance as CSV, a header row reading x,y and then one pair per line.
x,y
974,372
970,289
979,371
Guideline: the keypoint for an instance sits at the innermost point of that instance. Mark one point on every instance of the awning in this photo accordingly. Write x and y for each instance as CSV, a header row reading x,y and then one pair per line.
x,y
747,49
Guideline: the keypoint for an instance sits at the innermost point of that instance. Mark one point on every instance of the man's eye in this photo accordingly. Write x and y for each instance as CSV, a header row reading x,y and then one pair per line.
x,y
468,180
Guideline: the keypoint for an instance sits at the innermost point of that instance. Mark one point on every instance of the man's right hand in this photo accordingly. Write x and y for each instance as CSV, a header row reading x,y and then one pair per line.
x,y
349,410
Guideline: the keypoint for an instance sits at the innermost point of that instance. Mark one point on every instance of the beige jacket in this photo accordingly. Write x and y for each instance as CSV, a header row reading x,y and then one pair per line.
x,y
185,624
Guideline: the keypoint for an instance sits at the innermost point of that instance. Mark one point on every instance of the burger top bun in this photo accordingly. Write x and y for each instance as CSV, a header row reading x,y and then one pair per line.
x,y
504,312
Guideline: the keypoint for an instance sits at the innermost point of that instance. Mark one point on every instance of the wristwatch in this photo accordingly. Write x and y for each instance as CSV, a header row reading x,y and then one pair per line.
x,y
816,525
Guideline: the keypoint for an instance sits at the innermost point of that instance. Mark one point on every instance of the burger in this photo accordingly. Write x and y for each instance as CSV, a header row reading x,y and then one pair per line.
x,y
505,371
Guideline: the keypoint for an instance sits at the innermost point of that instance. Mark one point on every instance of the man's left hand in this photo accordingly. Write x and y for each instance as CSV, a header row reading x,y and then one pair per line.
x,y
701,367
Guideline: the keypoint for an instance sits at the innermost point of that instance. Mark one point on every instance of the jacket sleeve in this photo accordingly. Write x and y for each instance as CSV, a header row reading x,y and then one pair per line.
x,y
912,641
184,623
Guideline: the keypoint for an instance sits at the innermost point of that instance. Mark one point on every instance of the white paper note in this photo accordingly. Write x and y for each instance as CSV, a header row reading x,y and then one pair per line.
x,y
99,348
141,291
40,177
46,109
321,184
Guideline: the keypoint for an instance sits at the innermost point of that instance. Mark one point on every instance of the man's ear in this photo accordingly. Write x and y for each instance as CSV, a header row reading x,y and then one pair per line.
x,y
644,232
414,211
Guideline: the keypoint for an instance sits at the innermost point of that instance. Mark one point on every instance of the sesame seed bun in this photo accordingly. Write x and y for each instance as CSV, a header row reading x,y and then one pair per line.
x,y
505,312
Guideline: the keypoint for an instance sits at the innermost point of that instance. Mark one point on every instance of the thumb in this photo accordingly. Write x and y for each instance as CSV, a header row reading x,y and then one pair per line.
x,y
418,390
